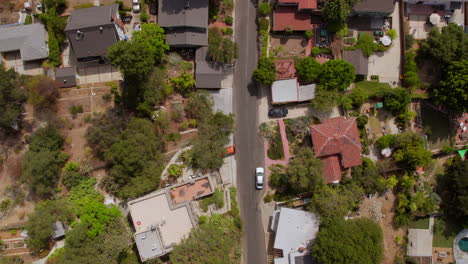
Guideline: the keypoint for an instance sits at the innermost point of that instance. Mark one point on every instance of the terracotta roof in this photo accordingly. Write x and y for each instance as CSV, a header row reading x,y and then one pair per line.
x,y
302,4
289,16
285,69
332,169
338,136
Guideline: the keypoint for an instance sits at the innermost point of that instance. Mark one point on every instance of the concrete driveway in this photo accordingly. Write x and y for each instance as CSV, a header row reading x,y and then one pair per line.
x,y
387,65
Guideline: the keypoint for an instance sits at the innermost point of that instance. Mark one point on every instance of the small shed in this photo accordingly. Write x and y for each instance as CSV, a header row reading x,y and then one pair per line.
x,y
65,77
58,231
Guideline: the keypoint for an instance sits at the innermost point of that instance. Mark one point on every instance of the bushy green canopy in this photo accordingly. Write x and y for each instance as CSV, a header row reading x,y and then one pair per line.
x,y
12,98
452,90
357,241
266,71
336,75
308,69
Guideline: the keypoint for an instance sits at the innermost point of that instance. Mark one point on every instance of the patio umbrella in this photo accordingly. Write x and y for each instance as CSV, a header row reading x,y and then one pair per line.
x,y
386,40
434,19
386,152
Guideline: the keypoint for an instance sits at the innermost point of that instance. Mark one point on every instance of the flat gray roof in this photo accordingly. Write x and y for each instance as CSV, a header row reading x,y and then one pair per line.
x,y
148,244
183,13
208,74
91,17
296,229
30,40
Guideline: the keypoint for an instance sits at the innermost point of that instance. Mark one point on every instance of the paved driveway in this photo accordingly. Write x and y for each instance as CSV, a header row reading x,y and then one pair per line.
x,y
387,65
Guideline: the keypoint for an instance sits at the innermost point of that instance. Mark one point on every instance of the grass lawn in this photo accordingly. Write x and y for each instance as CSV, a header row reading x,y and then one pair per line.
x,y
373,89
438,124
444,233
420,223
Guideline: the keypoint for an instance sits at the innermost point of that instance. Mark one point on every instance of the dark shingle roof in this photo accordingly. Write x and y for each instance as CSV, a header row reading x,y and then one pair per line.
x,y
91,17
186,37
65,77
183,13
30,40
208,74
384,7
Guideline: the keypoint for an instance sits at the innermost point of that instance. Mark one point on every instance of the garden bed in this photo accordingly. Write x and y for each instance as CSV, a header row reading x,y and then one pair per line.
x,y
436,125
297,133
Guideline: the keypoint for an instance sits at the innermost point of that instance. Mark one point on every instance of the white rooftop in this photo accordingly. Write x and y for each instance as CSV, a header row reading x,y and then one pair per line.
x,y
169,224
289,90
420,242
295,230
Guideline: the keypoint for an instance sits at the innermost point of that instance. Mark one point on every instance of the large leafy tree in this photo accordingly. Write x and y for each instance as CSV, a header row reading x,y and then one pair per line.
x,y
308,69
200,105
396,100
213,135
12,98
336,75
452,90
40,222
367,176
136,159
212,242
335,202
43,161
106,247
221,49
265,71
324,100
444,47
305,172
357,241
336,12
453,188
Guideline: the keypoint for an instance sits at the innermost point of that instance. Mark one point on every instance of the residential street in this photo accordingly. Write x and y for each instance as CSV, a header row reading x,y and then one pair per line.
x,y
248,144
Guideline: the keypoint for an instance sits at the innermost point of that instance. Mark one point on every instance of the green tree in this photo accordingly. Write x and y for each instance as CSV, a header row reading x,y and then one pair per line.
x,y
154,91
308,69
221,49
336,12
278,176
107,247
452,90
324,100
336,75
12,98
396,100
385,141
208,146
452,187
362,244
154,35
358,96
136,159
410,76
58,4
212,242
83,194
40,222
43,161
54,49
335,202
367,176
105,130
366,44
445,47
184,83
134,58
42,91
200,105
97,216
266,71
264,9
305,171
71,174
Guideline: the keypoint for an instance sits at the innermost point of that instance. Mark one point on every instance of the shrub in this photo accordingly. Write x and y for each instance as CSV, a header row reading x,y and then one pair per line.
x,y
144,17
315,51
350,41
263,24
228,31
385,141
264,9
228,20
88,5
267,198
343,32
28,20
366,44
54,49
266,70
392,33
447,149
309,34
175,170
409,41
228,5
107,97
308,69
176,136
362,121
75,110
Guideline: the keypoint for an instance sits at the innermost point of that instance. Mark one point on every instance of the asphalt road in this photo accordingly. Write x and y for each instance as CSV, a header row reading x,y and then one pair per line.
x,y
249,147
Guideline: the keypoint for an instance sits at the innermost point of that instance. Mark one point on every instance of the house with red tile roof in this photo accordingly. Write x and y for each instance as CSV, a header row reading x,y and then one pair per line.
x,y
336,142
293,14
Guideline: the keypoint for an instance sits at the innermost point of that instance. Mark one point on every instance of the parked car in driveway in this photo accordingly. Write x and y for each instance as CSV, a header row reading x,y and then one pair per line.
x,y
278,112
136,6
259,178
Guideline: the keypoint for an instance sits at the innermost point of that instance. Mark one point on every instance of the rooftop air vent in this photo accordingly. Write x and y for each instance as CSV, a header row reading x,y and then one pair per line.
x,y
187,4
79,35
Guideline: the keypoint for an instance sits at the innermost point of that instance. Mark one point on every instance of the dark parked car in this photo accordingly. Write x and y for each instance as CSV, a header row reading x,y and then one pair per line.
x,y
278,112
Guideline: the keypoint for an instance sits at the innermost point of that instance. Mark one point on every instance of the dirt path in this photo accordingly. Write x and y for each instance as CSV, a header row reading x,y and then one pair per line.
x,y
391,248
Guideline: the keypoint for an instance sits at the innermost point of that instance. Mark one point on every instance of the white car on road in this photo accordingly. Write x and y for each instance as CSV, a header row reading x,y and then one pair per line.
x,y
259,178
